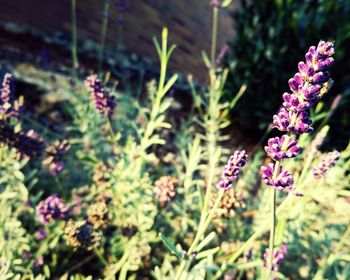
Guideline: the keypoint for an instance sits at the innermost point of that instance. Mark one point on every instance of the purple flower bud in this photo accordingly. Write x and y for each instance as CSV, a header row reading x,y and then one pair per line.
x,y
296,82
9,106
326,164
232,169
295,122
280,179
104,103
321,77
281,148
295,103
325,48
40,234
50,209
305,70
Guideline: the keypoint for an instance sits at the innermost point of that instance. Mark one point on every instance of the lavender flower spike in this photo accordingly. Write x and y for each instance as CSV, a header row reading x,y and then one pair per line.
x,y
326,164
232,169
282,147
278,256
282,180
52,208
104,103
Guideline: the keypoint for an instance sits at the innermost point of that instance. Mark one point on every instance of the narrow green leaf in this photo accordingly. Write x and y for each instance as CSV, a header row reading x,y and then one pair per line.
x,y
170,245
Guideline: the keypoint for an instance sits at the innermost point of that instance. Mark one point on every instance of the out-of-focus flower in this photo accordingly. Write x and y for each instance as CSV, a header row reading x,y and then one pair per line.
x,y
279,148
9,106
39,262
232,169
55,154
81,235
326,164
165,189
278,257
280,179
40,234
101,175
27,143
215,3
231,201
52,208
294,122
104,102
98,214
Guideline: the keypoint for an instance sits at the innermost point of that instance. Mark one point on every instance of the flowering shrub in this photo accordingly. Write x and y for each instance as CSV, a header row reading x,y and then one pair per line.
x,y
124,193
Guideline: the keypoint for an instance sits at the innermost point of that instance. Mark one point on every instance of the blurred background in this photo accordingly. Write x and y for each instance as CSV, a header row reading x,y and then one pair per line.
x,y
260,42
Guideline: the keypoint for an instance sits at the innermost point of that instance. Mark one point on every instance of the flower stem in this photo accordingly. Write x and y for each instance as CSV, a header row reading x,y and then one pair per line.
x,y
201,230
74,54
272,230
214,35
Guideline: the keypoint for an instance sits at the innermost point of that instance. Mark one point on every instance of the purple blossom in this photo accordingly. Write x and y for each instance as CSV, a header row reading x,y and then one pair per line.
x,y
278,257
232,169
279,148
104,103
282,180
215,3
55,154
294,122
326,164
52,208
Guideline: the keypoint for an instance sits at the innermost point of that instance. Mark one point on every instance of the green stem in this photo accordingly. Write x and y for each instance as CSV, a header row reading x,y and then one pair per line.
x,y
100,256
103,34
201,231
110,127
273,226
214,35
74,54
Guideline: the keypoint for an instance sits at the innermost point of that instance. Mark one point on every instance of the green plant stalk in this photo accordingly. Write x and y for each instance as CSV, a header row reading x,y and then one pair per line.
x,y
273,226
100,256
214,35
103,34
159,95
201,231
74,54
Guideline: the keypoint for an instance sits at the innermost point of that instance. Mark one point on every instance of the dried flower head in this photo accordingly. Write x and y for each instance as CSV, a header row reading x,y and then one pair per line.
x,y
279,148
326,164
165,189
232,169
55,154
279,179
229,204
104,102
278,256
52,208
98,214
81,235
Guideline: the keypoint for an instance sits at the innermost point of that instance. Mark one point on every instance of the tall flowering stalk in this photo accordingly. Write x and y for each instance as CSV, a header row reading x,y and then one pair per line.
x,y
307,87
228,177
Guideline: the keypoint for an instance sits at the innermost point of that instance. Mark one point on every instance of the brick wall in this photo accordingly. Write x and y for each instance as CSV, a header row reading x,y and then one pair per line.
x,y
189,23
